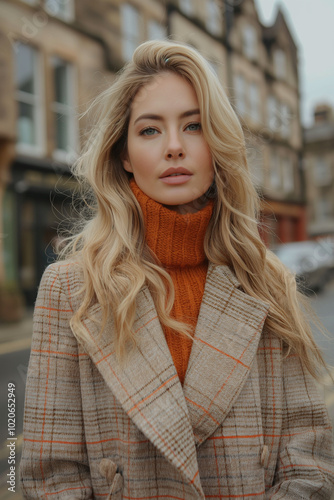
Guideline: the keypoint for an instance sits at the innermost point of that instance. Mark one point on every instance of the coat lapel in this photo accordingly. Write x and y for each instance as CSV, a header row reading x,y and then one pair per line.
x,y
147,385
226,338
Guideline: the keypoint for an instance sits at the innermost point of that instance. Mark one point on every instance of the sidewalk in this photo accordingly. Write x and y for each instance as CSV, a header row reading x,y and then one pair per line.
x,y
18,330
16,336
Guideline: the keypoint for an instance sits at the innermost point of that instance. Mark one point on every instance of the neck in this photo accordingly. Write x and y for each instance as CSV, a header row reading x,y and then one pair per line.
x,y
176,238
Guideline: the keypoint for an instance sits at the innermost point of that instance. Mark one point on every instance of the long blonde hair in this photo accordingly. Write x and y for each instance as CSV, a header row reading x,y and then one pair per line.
x,y
110,246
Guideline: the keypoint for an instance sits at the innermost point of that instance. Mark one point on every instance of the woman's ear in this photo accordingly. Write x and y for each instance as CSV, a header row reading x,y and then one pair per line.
x,y
126,162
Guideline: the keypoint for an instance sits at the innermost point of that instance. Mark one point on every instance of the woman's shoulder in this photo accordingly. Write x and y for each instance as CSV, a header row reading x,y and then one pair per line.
x,y
66,275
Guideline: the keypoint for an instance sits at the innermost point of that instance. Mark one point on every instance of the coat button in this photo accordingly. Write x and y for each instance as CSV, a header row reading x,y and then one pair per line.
x,y
108,469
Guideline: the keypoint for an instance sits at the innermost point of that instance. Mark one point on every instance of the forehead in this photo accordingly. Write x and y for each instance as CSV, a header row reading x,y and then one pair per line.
x,y
165,91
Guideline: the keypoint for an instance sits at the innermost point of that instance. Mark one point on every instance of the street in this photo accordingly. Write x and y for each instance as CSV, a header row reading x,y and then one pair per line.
x,y
14,355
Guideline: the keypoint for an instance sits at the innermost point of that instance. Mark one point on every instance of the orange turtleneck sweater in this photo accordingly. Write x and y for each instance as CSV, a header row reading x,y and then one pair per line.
x,y
177,240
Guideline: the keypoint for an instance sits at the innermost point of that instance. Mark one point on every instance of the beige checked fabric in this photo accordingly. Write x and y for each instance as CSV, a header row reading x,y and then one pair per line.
x,y
247,423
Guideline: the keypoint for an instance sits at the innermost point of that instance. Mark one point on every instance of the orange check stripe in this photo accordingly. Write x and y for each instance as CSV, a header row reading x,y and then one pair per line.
x,y
59,352
152,393
225,354
54,309
247,495
80,443
202,408
69,489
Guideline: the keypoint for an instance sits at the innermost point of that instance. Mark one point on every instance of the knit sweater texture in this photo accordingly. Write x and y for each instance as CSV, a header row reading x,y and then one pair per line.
x,y
177,240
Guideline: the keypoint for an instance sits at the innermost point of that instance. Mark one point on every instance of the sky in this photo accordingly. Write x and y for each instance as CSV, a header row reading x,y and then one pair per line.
x,y
312,25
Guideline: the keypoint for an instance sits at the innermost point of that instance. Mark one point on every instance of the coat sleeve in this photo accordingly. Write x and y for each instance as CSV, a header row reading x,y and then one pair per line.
x,y
305,466
54,458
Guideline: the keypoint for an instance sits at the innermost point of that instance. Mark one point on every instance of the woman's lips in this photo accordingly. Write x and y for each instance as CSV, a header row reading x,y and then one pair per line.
x,y
175,179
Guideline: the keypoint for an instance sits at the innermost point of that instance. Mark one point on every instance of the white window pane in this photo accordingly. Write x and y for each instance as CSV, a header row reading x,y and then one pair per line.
x,y
322,172
249,41
288,175
285,120
62,132
63,9
324,207
240,93
130,29
25,64
187,7
214,20
156,31
63,106
26,124
273,119
254,100
275,172
61,83
27,96
280,63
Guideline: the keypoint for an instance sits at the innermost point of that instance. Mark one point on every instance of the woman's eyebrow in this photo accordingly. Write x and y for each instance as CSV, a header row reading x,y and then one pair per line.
x,y
151,116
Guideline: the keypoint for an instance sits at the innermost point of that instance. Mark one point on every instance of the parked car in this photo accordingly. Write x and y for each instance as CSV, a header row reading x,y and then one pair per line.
x,y
311,261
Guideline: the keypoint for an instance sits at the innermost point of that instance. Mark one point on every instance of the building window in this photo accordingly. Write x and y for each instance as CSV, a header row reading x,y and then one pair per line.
x,y
213,17
187,7
275,171
64,9
254,102
322,172
156,31
324,207
240,94
255,162
285,119
130,30
288,176
63,109
28,96
280,63
249,41
272,113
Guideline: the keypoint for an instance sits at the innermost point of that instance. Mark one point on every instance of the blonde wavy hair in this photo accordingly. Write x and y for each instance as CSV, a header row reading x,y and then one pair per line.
x,y
110,246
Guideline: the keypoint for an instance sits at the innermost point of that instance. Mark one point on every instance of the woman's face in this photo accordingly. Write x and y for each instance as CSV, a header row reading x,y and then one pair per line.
x,y
165,135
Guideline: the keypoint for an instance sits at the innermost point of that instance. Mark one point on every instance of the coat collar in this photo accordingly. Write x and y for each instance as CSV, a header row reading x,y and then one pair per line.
x,y
176,419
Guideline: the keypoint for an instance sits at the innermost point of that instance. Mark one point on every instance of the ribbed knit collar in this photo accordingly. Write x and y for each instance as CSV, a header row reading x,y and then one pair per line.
x,y
176,239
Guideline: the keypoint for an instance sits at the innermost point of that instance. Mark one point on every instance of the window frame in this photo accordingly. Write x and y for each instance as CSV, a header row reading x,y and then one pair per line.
x,y
240,91
249,50
67,16
187,7
254,104
275,171
288,177
128,39
214,22
322,173
37,149
280,63
66,110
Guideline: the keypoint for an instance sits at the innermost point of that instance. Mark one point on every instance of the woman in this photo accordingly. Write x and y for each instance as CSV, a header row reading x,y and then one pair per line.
x,y
170,358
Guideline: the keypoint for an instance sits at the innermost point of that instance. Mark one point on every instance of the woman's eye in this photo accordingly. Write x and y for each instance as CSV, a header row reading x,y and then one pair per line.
x,y
148,131
193,127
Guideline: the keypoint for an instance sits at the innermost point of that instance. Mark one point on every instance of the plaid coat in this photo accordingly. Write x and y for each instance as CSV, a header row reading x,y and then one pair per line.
x,y
247,422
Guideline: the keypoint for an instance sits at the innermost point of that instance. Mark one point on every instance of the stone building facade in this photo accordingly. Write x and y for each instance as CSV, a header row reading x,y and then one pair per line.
x,y
58,54
319,169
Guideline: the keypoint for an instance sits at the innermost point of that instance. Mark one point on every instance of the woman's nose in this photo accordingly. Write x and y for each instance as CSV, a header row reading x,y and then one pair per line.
x,y
174,148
